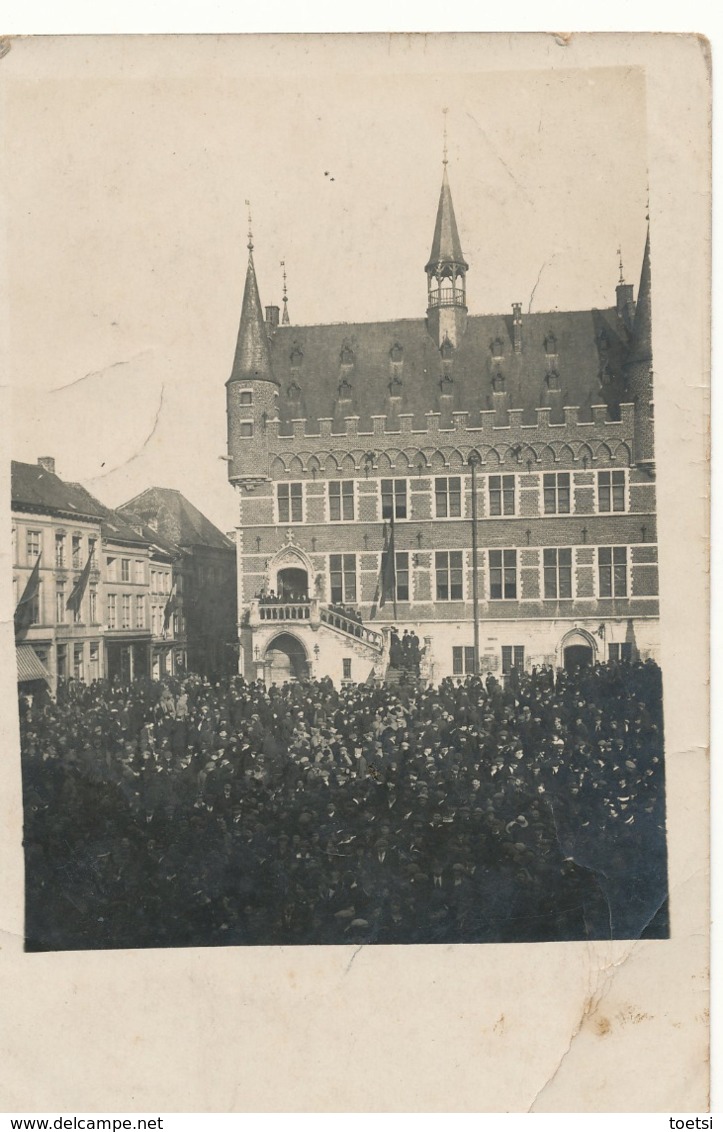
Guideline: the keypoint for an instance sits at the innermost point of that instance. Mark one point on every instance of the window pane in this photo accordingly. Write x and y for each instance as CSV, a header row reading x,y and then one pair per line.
x,y
457,660
506,659
469,660
455,496
440,492
550,582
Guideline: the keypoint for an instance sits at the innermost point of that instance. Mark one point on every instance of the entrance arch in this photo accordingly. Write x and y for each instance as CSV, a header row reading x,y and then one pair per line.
x,y
292,584
285,660
577,650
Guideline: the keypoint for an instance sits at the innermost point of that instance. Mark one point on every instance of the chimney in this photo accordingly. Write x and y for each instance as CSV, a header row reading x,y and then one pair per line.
x,y
625,303
517,327
47,463
272,318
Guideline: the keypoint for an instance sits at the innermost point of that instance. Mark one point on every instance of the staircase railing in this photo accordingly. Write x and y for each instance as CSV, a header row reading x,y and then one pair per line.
x,y
353,628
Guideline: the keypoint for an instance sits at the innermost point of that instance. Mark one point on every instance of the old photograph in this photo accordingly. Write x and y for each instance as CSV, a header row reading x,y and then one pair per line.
x,y
334,539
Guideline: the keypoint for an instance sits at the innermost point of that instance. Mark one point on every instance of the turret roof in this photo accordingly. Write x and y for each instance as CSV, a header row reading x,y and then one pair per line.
x,y
251,361
446,247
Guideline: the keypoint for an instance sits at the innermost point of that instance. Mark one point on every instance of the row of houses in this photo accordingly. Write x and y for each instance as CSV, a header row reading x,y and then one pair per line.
x,y
145,590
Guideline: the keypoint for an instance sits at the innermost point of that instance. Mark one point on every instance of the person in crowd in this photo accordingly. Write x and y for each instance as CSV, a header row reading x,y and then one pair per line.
x,y
206,812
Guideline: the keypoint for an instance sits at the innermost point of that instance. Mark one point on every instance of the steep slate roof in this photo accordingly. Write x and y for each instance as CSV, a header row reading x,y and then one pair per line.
x,y
113,526
251,360
34,486
446,247
642,325
585,342
180,523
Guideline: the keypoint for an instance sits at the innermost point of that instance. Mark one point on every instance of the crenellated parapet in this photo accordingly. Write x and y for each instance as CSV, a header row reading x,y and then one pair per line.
x,y
322,447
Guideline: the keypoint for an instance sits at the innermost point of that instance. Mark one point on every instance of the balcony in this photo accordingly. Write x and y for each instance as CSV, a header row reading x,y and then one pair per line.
x,y
447,297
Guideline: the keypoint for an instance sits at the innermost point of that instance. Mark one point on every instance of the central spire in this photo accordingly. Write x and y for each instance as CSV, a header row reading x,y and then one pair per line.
x,y
446,268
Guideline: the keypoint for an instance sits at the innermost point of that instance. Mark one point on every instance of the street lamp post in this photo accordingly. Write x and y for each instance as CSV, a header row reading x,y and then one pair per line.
x,y
473,460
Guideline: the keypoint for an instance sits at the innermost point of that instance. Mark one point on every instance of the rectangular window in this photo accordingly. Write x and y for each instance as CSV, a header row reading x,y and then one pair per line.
x,y
502,495
154,582
289,498
140,574
246,428
342,575
60,605
448,497
394,499
140,612
612,564
112,611
346,668
154,620
401,570
513,656
60,559
622,652
448,569
77,552
341,500
503,574
246,397
462,660
557,567
77,612
62,661
32,544
112,569
78,662
611,491
93,604
125,569
126,611
556,492
93,660
92,542
35,607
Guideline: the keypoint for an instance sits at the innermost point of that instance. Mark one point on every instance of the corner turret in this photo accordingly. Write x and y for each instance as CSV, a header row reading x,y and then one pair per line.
x,y
252,389
639,367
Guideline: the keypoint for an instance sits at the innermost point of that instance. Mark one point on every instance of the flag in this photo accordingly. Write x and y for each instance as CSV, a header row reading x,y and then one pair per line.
x,y
389,573
24,610
379,591
170,607
76,594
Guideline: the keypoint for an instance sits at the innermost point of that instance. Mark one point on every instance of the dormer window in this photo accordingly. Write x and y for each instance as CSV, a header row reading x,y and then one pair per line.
x,y
498,382
553,381
396,353
347,356
345,389
294,391
497,348
296,357
550,344
446,349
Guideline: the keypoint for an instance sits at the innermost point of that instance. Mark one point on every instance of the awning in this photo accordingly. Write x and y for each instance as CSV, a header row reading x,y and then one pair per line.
x,y
29,665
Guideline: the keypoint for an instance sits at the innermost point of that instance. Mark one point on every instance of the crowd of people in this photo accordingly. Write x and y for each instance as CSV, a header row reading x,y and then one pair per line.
x,y
199,813
405,652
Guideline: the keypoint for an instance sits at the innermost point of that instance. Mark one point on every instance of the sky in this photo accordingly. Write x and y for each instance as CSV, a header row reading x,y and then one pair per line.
x,y
126,222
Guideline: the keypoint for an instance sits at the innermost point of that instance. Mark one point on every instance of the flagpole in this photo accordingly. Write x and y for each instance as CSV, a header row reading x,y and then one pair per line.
x,y
473,461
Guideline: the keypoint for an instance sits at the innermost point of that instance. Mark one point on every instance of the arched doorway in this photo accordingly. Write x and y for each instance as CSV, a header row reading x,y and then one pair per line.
x,y
577,656
577,650
292,584
285,660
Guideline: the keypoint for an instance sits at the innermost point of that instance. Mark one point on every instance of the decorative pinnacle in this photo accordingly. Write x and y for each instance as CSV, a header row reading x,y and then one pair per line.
x,y
444,146
250,244
285,295
620,264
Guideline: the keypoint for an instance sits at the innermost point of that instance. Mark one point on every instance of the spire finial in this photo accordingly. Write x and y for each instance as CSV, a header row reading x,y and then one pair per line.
x,y
445,111
250,244
285,297
620,264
